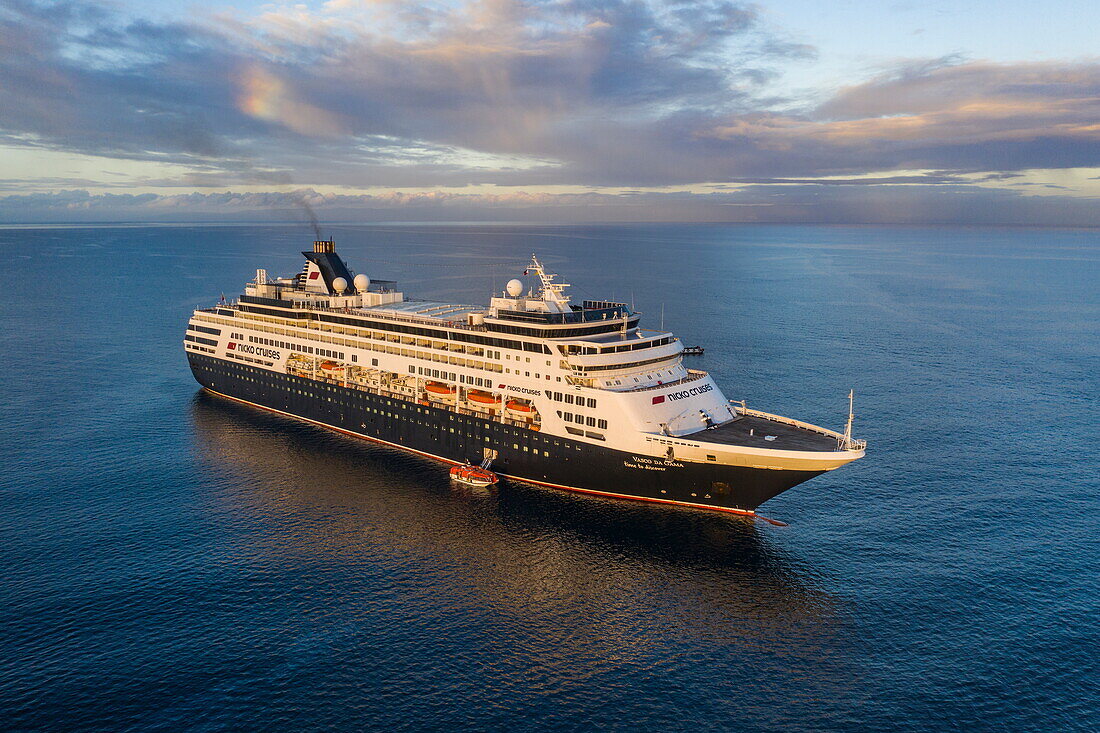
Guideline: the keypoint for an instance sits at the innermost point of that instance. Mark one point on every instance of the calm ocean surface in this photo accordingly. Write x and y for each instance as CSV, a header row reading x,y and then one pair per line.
x,y
173,561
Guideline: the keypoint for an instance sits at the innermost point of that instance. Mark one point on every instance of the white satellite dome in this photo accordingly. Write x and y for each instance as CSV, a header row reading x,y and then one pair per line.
x,y
515,287
339,284
362,282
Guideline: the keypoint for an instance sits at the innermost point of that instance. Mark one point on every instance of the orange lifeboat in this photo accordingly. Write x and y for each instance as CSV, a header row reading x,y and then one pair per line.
x,y
473,475
330,366
483,398
440,390
524,408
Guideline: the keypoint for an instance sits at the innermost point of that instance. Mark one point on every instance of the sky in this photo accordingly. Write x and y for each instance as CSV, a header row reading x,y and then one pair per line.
x,y
570,110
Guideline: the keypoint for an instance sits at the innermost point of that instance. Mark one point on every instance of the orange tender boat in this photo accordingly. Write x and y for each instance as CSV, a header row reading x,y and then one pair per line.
x,y
473,475
524,407
440,389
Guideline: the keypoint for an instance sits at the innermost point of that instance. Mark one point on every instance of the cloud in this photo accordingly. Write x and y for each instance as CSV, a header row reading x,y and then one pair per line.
x,y
793,203
963,117
74,81
313,93
520,93
266,97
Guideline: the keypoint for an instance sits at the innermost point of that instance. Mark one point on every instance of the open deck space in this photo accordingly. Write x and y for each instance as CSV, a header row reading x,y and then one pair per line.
x,y
753,431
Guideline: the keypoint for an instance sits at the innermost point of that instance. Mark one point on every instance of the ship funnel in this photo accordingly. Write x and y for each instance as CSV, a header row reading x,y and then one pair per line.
x,y
324,245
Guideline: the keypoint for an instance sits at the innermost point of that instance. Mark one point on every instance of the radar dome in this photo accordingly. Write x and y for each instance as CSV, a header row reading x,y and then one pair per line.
x,y
515,287
339,284
362,282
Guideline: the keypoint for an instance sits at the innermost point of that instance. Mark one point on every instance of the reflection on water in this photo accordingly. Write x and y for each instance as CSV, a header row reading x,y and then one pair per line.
x,y
595,574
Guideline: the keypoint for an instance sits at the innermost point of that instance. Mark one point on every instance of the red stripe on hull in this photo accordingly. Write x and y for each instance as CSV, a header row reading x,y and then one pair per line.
x,y
593,492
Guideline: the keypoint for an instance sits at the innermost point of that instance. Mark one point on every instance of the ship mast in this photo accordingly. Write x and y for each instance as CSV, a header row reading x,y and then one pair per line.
x,y
551,292
851,416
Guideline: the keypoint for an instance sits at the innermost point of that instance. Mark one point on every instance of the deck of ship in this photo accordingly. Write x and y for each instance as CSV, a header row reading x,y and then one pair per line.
x,y
753,431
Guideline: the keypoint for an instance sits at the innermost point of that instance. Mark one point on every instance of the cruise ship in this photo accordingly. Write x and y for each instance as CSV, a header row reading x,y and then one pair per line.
x,y
548,391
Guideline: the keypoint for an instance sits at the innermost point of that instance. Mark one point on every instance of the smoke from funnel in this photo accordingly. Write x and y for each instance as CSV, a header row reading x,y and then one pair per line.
x,y
204,144
283,179
301,201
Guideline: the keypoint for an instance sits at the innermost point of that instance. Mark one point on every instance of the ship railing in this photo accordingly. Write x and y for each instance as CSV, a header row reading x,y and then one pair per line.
x,y
842,442
418,320
692,375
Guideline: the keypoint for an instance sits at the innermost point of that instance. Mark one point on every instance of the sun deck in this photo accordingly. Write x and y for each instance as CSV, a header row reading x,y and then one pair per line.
x,y
754,432
428,311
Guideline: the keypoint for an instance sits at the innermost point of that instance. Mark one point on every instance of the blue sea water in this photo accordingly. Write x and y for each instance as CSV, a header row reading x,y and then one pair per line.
x,y
172,561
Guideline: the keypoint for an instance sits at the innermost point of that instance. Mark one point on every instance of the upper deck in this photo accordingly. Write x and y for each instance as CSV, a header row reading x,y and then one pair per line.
x,y
597,343
445,314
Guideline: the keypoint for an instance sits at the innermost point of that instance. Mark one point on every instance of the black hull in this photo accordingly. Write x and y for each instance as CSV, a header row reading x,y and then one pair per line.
x,y
522,454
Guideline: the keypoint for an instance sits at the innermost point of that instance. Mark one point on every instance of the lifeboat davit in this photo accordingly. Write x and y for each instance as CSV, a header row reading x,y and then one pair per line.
x,y
473,475
483,398
524,408
440,390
